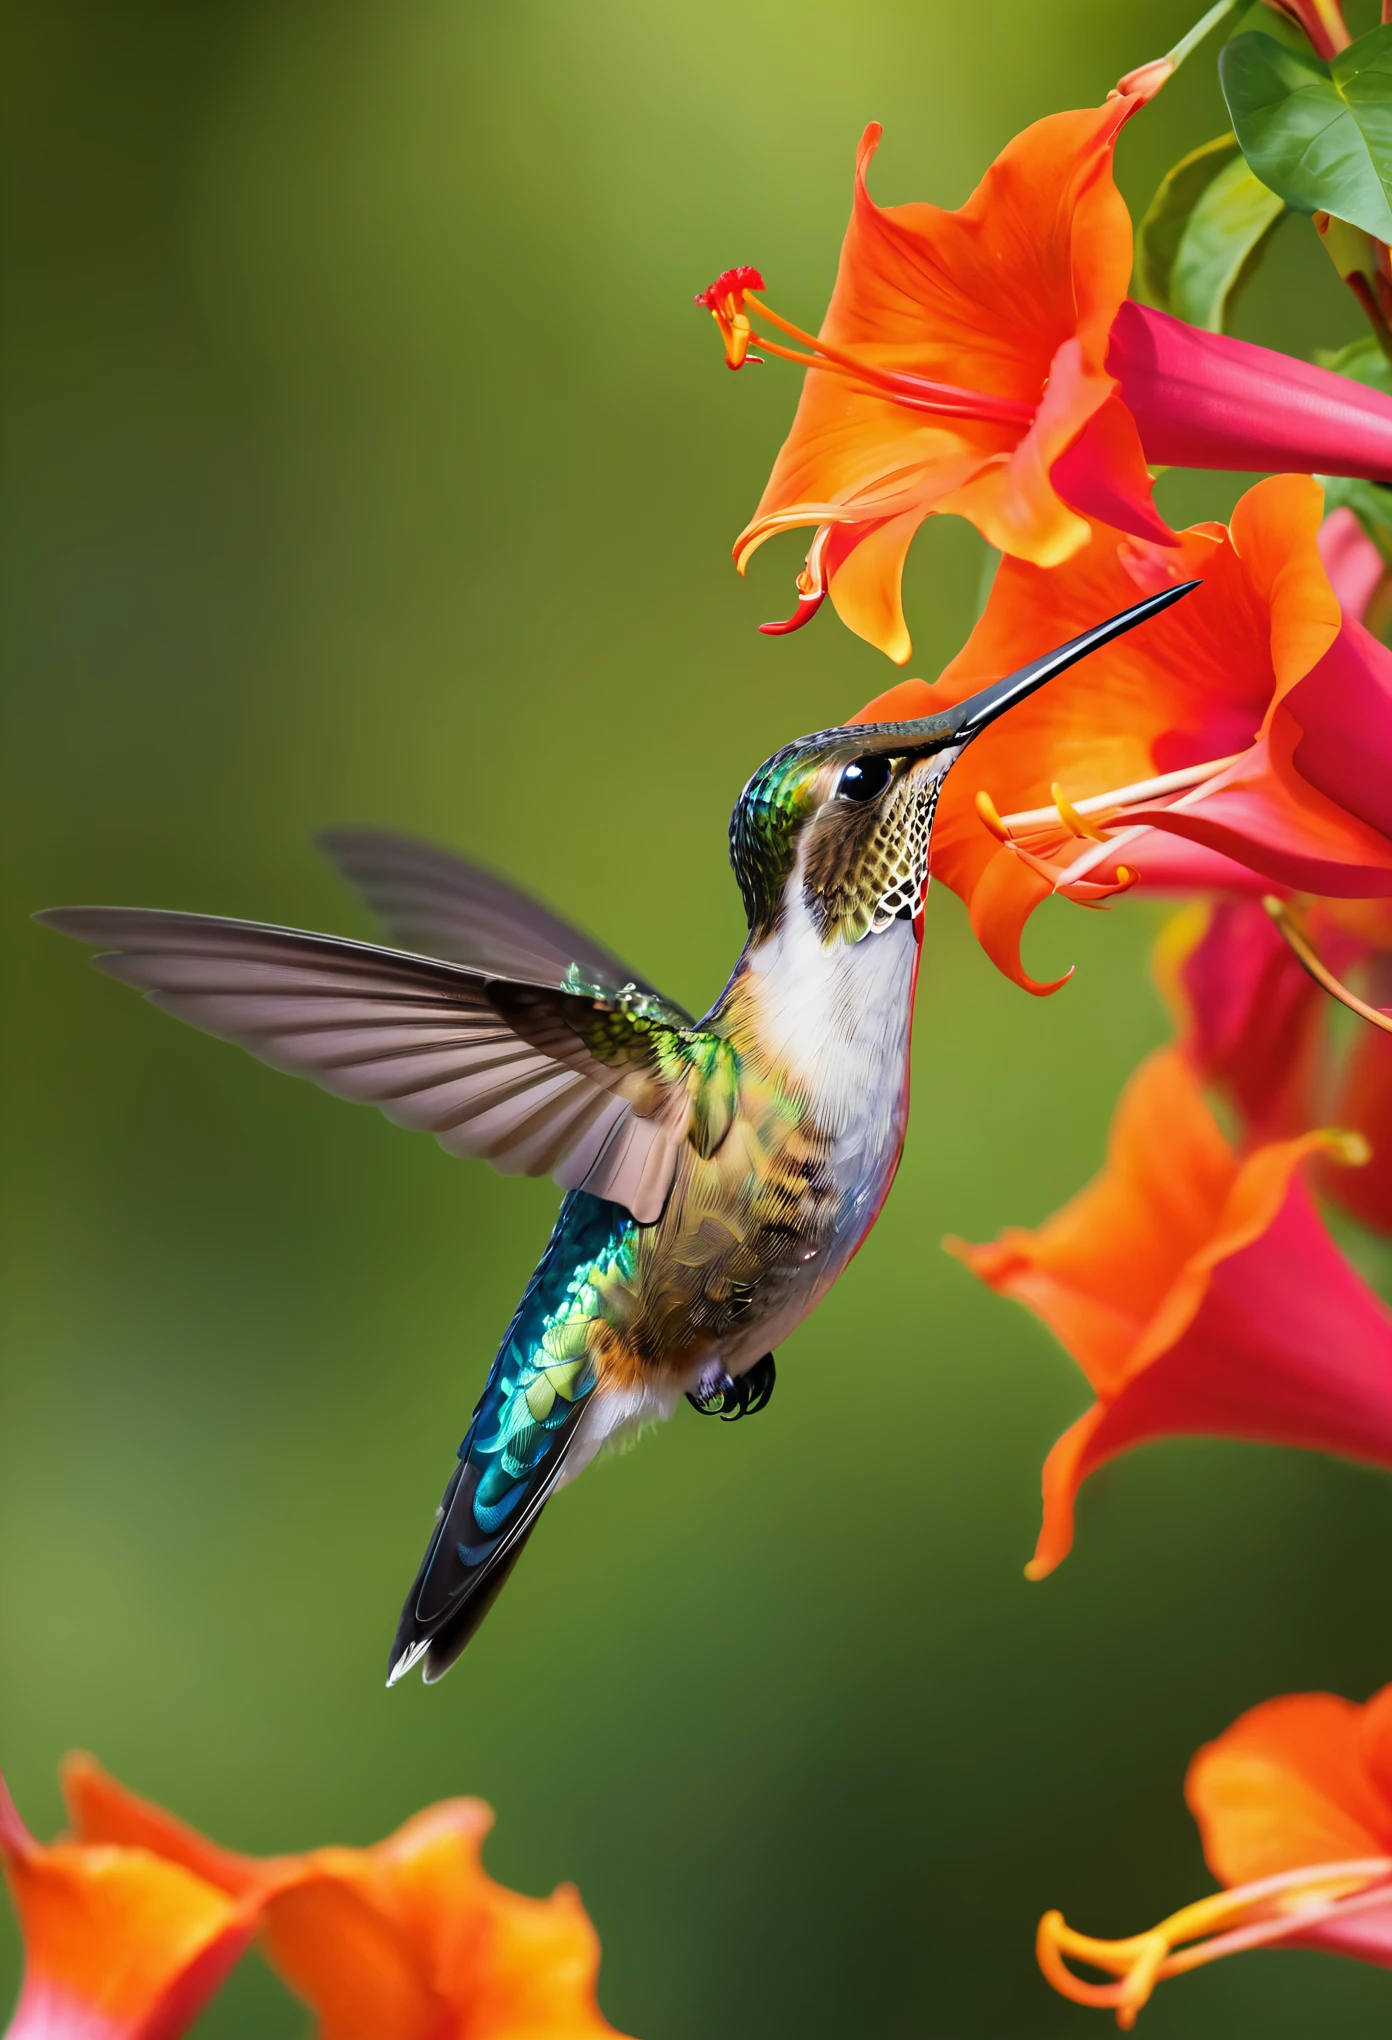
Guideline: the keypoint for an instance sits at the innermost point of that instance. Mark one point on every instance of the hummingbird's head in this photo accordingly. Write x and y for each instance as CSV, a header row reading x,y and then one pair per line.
x,y
845,816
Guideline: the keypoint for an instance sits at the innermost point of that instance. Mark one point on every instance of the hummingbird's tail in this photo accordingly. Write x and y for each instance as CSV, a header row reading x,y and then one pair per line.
x,y
523,1431
464,1571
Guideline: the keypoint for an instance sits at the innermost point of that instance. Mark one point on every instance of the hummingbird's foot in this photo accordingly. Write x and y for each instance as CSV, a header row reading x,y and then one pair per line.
x,y
718,1394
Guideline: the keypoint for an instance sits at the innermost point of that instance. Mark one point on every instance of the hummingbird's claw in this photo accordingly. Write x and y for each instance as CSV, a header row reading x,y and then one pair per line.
x,y
719,1394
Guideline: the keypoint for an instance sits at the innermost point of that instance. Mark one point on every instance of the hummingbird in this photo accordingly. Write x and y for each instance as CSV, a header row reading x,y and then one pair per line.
x,y
719,1173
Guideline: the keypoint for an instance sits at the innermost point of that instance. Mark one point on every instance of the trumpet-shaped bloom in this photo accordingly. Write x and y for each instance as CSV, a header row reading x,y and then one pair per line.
x,y
407,1940
1251,1022
120,1944
986,362
1294,1804
412,1940
1248,728
1254,1022
1201,1296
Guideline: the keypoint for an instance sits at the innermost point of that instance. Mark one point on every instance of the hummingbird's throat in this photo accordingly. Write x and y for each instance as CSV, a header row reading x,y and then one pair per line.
x,y
904,897
864,867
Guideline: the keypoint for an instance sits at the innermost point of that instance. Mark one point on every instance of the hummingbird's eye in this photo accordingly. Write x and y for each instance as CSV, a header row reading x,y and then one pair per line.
x,y
863,778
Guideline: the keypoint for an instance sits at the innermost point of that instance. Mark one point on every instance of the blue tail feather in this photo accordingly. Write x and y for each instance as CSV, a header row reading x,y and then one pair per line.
x,y
522,1429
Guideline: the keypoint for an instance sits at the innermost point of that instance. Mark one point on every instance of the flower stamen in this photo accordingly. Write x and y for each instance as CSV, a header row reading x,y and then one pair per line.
x,y
1249,1916
1141,790
1072,818
730,304
1307,955
725,300
1100,819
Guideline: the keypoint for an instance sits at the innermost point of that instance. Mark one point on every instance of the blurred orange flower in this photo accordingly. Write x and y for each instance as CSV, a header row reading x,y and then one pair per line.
x,y
119,1943
407,1940
1294,1803
1249,730
1201,1296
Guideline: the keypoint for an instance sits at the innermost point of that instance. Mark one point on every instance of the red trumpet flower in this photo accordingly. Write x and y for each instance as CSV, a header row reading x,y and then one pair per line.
x,y
1201,1296
987,362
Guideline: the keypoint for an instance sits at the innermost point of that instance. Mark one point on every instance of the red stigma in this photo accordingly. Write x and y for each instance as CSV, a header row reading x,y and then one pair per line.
x,y
729,283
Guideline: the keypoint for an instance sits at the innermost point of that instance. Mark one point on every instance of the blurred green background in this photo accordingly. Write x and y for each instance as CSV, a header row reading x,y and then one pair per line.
x,y
369,462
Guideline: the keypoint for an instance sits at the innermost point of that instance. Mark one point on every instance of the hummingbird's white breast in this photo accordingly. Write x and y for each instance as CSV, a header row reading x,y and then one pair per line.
x,y
834,1020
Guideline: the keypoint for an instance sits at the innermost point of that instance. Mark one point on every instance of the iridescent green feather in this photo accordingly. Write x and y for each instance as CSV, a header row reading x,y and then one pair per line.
x,y
544,1370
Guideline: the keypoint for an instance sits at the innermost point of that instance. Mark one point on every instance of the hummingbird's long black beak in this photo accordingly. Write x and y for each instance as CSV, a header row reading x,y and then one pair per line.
x,y
967,720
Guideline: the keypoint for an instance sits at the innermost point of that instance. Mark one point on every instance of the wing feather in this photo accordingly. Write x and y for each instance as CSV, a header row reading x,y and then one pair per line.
x,y
485,1065
431,900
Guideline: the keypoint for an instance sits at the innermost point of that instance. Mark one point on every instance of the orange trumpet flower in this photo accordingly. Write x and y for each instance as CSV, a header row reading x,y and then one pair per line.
x,y
1294,1804
1201,1296
407,1940
961,356
119,1943
987,362
1249,729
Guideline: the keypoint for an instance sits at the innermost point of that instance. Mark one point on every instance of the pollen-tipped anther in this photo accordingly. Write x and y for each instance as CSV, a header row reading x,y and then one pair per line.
x,y
725,301
991,816
1071,819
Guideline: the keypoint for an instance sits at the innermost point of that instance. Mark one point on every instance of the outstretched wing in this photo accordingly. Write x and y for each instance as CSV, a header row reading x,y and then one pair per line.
x,y
596,1091
428,899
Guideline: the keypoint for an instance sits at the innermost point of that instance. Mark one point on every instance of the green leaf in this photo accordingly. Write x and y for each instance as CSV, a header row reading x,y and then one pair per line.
x,y
1362,361
1167,215
1319,134
1370,503
1205,232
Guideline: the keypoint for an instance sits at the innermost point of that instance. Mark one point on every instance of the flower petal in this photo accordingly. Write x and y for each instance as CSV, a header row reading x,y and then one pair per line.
x,y
1287,1785
1343,710
412,1940
118,1944
1200,1296
1351,560
336,1938
1012,295
865,581
1103,475
1263,812
100,1809
1103,1266
1364,1102
1249,1017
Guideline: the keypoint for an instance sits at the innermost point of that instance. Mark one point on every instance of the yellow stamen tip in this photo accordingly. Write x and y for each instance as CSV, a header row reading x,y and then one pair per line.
x,y
1071,819
1351,1149
990,815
